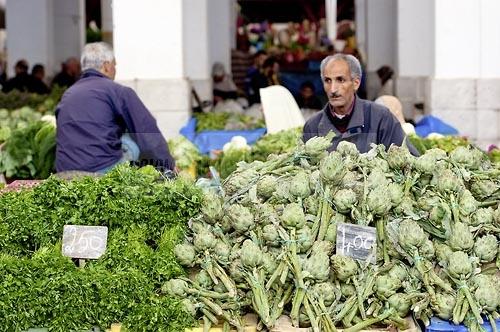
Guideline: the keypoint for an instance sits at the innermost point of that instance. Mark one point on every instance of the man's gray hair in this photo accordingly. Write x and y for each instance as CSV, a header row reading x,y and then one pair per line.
x,y
352,62
94,55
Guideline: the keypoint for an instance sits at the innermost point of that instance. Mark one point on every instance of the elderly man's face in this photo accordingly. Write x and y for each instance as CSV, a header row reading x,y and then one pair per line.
x,y
339,86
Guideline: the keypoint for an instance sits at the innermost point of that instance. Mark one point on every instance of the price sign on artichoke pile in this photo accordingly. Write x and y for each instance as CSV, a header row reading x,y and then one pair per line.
x,y
87,242
358,242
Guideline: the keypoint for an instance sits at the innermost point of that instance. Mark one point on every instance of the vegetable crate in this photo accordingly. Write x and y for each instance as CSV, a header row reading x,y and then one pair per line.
x,y
439,325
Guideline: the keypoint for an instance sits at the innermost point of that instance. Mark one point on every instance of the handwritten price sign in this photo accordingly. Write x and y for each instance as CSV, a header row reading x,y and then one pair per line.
x,y
358,242
88,242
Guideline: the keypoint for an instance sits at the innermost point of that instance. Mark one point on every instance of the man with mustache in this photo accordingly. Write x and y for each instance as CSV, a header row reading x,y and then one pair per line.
x,y
352,119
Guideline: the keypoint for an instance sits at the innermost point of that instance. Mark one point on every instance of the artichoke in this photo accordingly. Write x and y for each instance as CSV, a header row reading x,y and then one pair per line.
x,y
385,286
347,290
344,200
282,193
377,178
325,291
311,205
377,201
299,185
222,252
401,303
459,265
212,207
266,186
317,266
204,240
483,189
185,254
399,157
487,297
270,235
427,250
189,307
250,254
443,305
443,253
344,267
266,214
293,216
346,148
239,181
175,287
483,216
202,279
467,203
322,246
396,193
332,168
241,218
399,272
269,263
460,238
446,181
486,248
426,163
316,146
411,235
305,239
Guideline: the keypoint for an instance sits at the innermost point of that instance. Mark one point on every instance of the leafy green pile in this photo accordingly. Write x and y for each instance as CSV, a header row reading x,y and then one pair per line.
x,y
268,244
185,153
445,143
226,121
40,103
29,152
146,218
278,143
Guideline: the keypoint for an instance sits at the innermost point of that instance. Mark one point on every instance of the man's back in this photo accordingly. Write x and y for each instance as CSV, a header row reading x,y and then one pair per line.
x,y
89,126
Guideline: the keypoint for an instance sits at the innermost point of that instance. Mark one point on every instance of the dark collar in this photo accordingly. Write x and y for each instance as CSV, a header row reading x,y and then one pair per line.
x,y
93,73
355,124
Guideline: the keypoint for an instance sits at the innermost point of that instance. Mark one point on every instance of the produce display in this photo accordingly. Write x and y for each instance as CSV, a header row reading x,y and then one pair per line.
x,y
145,216
29,151
40,103
268,244
227,121
185,153
277,143
446,143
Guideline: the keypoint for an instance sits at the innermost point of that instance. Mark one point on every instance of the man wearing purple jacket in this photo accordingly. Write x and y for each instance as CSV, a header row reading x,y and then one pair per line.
x,y
101,124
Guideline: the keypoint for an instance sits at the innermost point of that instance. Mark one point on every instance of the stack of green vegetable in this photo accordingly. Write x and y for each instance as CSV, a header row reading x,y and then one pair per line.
x,y
267,245
277,143
185,153
29,152
227,121
446,143
40,103
145,216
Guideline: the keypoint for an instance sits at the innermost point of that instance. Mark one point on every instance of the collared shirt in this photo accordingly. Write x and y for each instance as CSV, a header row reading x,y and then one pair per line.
x,y
369,123
92,116
341,122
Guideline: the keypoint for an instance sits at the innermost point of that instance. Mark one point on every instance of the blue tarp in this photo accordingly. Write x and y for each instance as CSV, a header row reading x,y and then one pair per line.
x,y
430,124
209,140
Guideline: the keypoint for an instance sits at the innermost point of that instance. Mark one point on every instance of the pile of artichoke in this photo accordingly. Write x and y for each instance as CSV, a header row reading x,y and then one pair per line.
x,y
267,245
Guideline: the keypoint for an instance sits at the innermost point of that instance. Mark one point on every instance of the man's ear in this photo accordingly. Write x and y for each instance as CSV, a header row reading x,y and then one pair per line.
x,y
357,82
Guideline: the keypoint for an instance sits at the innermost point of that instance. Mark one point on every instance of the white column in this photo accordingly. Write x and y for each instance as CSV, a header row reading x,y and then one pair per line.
x,y
149,48
219,22
69,31
30,32
196,38
107,21
415,52
331,18
381,39
464,87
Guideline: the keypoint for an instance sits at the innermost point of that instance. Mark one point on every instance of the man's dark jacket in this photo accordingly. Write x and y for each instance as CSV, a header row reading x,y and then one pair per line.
x,y
92,116
369,123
